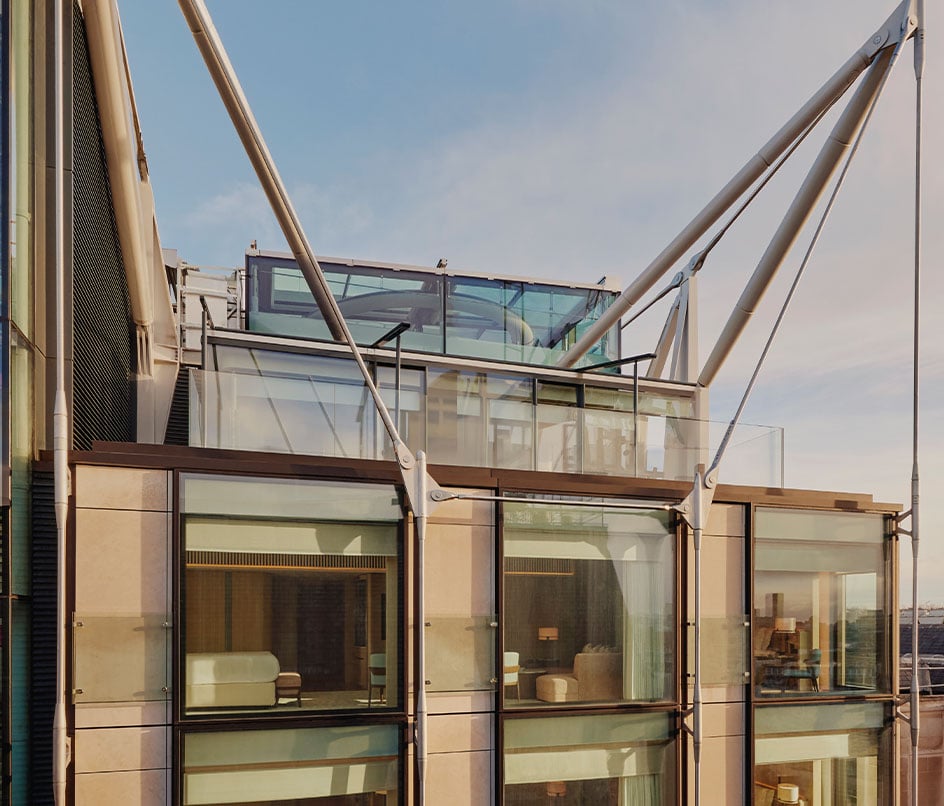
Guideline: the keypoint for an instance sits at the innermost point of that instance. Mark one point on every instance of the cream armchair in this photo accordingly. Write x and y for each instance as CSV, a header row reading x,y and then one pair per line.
x,y
596,676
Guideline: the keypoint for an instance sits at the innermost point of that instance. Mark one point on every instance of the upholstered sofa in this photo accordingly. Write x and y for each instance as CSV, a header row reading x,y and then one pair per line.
x,y
230,679
596,676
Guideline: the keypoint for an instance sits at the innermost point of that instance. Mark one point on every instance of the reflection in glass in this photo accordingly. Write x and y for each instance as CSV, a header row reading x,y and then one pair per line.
x,y
523,322
455,409
409,404
324,412
372,300
588,603
820,603
510,428
290,594
614,759
342,766
270,400
609,433
505,320
825,755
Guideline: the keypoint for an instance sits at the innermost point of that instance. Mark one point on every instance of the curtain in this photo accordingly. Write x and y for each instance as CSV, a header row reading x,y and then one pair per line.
x,y
641,790
644,632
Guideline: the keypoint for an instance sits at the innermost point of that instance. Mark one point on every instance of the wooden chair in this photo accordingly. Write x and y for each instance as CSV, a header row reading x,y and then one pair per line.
x,y
377,671
764,794
809,670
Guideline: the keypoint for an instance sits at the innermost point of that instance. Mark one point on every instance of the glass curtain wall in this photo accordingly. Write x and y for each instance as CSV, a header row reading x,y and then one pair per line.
x,y
821,603
588,611
291,595
823,755
607,760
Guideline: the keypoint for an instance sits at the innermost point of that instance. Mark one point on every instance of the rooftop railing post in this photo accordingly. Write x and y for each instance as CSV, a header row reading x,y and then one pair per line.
x,y
636,419
396,402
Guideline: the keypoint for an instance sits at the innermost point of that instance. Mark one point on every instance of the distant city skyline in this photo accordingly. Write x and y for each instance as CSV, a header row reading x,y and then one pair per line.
x,y
559,141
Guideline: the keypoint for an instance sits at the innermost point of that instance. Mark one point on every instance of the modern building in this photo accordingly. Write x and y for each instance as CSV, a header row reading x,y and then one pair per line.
x,y
259,609
931,684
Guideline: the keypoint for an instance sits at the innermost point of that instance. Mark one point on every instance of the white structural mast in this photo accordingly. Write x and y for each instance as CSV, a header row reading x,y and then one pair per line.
x,y
423,493
879,55
883,40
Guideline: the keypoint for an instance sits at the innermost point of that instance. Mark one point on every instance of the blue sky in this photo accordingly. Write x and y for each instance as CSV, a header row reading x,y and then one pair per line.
x,y
571,140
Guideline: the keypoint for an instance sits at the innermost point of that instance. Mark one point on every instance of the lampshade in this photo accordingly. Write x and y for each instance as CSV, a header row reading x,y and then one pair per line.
x,y
548,633
556,789
788,793
784,624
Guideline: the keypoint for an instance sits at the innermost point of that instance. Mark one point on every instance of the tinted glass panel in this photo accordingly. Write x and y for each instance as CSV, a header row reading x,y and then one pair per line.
x,y
344,766
826,755
588,605
589,759
373,301
529,323
507,320
291,595
820,603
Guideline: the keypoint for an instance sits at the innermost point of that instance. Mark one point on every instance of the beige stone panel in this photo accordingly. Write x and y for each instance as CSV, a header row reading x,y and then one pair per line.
x,y
121,561
144,788
465,512
724,638
722,567
725,520
719,694
459,562
121,749
457,733
723,719
460,641
722,771
460,779
121,488
117,715
460,702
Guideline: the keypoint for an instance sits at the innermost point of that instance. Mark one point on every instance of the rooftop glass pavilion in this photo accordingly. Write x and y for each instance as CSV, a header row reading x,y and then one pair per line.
x,y
474,383
492,317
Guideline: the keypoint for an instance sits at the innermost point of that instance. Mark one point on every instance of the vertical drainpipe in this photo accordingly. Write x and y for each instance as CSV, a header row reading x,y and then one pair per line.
x,y
702,503
419,519
62,747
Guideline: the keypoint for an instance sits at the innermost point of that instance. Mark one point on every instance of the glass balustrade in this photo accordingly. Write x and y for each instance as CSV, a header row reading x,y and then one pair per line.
x,y
474,419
